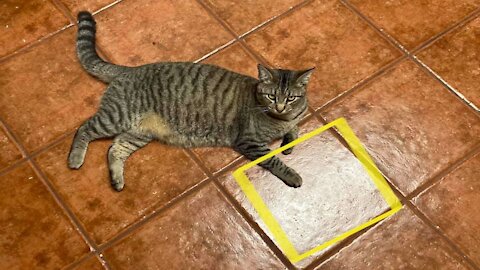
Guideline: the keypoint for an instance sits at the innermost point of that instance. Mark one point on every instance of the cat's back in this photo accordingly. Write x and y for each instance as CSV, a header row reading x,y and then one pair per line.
x,y
194,76
199,103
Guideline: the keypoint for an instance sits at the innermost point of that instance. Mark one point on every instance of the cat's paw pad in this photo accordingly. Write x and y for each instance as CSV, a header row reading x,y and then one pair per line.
x,y
75,160
293,179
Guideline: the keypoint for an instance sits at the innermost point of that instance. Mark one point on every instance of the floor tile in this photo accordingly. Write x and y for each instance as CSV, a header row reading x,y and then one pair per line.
x,y
452,204
153,176
236,59
324,34
456,58
75,6
8,151
414,22
45,92
216,158
400,242
134,32
242,16
411,125
91,264
34,232
200,232
336,196
20,22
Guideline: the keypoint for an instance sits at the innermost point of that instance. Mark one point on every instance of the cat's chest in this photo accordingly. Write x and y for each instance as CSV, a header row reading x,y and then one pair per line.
x,y
271,130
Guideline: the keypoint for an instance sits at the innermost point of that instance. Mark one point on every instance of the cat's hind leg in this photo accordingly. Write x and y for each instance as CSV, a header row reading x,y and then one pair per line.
x,y
123,146
97,127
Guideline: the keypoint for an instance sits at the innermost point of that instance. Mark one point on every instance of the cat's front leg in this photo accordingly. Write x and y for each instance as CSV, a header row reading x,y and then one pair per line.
x,y
291,136
253,150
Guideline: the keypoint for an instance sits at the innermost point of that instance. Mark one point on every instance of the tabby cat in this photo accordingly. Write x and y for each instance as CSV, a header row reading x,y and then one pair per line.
x,y
189,105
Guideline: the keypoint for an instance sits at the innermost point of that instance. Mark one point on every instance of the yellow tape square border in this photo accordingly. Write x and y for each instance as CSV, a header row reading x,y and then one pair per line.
x,y
272,224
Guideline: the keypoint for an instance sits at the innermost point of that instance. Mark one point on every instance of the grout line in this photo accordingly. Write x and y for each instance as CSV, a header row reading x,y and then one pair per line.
x,y
215,16
69,14
380,72
442,174
275,18
86,257
76,263
451,89
11,136
456,249
230,30
103,261
217,50
430,41
156,212
198,162
34,43
13,166
333,131
32,155
470,17
52,144
252,53
102,9
387,37
64,10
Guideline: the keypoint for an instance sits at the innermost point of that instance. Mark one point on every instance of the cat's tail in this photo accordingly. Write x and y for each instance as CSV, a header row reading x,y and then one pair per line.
x,y
88,55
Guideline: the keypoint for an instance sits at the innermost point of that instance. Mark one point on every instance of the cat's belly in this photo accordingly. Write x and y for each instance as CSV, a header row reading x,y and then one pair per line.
x,y
154,125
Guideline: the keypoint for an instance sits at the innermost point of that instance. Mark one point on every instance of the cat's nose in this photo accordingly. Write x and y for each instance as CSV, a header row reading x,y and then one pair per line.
x,y
280,107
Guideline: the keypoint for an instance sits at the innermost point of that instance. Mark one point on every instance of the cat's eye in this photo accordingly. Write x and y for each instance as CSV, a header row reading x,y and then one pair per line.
x,y
291,99
271,97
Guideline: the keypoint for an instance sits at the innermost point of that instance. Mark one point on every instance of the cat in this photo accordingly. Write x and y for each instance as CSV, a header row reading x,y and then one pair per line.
x,y
189,105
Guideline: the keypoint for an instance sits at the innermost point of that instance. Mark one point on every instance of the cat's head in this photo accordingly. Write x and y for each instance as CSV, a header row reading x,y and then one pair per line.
x,y
283,93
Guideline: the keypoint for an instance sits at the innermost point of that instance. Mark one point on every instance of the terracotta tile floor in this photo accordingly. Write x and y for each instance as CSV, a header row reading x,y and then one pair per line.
x,y
405,75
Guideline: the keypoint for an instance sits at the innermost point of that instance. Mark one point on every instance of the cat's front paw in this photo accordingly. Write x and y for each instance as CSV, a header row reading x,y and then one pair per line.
x,y
292,179
287,151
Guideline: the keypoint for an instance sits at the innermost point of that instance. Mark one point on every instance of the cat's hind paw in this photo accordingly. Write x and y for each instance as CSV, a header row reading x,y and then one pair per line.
x,y
75,159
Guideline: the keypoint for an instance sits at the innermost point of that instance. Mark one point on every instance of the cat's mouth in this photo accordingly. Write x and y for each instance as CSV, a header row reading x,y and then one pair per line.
x,y
287,115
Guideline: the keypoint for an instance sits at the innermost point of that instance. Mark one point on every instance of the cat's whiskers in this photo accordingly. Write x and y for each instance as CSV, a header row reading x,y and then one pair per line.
x,y
259,109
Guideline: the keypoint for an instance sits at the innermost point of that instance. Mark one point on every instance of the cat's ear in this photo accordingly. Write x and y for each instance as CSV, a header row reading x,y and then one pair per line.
x,y
304,76
265,75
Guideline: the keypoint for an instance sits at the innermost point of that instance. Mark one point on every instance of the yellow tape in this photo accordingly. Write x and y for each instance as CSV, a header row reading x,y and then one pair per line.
x,y
272,224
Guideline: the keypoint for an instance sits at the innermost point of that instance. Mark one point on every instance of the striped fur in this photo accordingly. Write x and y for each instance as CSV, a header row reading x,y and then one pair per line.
x,y
188,105
87,54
